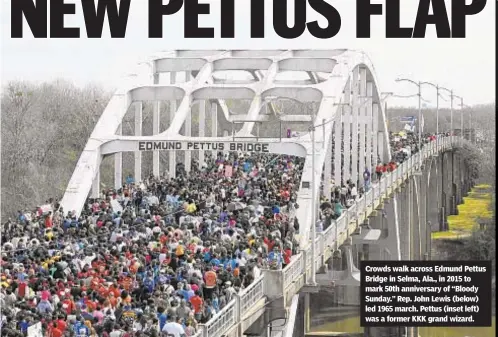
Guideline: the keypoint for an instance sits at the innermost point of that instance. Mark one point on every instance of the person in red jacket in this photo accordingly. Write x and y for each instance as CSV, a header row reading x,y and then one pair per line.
x,y
378,171
48,220
287,256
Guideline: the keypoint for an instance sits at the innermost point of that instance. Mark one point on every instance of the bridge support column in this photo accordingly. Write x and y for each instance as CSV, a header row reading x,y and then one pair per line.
x,y
307,313
376,250
368,119
337,147
138,132
327,174
461,179
118,164
96,185
441,196
465,178
406,224
355,116
417,229
214,123
391,243
380,150
172,111
457,198
375,137
422,202
432,196
449,188
202,128
346,118
442,202
362,125
156,118
188,131
348,287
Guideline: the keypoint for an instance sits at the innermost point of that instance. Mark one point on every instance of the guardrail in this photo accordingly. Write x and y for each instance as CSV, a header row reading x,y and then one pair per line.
x,y
229,318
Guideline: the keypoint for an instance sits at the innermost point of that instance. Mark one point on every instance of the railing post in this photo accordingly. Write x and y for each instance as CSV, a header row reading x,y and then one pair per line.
x,y
204,330
238,314
365,205
336,235
305,267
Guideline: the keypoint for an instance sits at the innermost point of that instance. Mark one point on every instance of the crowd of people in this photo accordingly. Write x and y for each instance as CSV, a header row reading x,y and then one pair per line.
x,y
162,255
403,144
159,256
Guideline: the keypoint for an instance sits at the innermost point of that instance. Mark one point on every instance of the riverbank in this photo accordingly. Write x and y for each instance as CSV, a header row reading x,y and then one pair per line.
x,y
476,207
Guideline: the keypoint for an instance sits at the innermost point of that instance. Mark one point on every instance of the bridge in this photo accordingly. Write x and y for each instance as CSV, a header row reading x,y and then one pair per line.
x,y
337,94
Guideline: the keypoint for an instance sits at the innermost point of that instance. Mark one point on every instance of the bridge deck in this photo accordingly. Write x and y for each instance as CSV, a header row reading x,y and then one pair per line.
x,y
289,281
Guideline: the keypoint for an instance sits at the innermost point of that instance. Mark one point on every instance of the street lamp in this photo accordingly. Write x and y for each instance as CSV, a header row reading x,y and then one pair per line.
x,y
437,108
451,111
438,89
470,120
386,95
461,115
419,85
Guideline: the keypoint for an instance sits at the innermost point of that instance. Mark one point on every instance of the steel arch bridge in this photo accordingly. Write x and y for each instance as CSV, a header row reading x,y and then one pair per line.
x,y
341,85
342,89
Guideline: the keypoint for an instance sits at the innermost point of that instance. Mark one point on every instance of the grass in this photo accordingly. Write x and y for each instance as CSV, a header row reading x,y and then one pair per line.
x,y
477,205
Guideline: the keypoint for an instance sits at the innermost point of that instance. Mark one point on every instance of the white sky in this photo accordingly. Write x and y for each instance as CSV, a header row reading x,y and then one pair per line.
x,y
465,65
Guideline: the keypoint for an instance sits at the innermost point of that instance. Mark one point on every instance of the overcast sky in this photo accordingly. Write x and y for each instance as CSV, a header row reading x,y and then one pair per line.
x,y
465,65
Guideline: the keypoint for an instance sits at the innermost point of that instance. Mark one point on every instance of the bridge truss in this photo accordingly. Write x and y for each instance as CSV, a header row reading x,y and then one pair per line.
x,y
338,86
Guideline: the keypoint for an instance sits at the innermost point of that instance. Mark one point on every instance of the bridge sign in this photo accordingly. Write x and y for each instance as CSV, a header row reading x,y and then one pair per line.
x,y
407,119
208,146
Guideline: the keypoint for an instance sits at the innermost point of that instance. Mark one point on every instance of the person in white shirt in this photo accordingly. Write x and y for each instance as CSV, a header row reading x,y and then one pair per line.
x,y
354,192
173,329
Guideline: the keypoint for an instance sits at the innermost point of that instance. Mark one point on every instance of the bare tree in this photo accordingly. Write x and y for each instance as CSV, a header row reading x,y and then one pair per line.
x,y
44,129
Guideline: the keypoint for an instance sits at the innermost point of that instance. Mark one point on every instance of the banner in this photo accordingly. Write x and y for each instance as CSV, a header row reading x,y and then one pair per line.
x,y
228,171
410,128
46,208
408,119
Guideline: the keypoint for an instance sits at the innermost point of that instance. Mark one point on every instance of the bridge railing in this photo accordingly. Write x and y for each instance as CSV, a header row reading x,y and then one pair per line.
x,y
251,295
230,317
